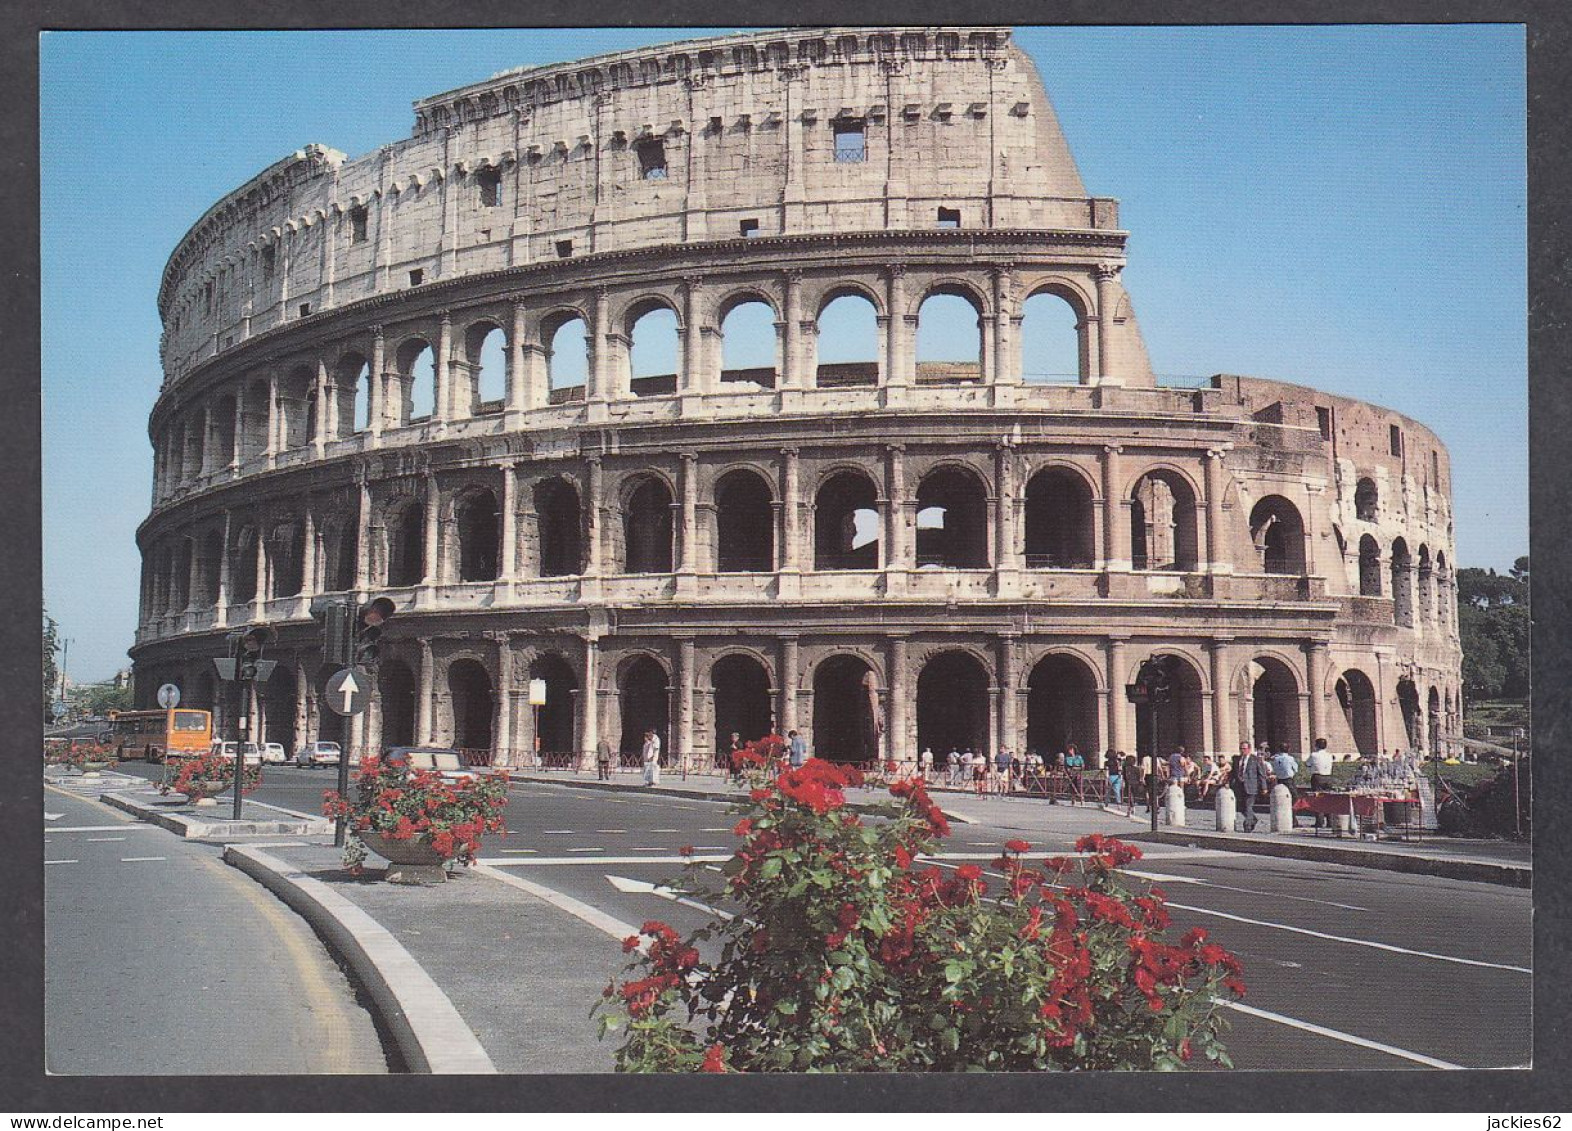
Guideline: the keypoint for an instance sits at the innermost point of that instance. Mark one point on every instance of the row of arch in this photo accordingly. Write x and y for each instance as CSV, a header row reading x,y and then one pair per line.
x,y
1435,583
1063,695
335,400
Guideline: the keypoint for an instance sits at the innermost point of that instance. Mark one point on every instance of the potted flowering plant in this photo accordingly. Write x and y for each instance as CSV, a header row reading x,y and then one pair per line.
x,y
205,775
846,953
416,819
94,756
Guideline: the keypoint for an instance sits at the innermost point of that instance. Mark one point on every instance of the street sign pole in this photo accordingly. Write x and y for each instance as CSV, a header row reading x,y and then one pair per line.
x,y
346,756
346,693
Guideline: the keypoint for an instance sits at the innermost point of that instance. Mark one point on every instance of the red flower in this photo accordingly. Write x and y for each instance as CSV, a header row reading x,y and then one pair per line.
x,y
685,850
1017,845
743,827
630,944
969,872
714,1060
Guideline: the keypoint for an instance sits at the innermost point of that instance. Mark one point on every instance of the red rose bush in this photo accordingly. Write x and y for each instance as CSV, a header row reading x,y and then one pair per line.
x,y
195,776
406,804
853,949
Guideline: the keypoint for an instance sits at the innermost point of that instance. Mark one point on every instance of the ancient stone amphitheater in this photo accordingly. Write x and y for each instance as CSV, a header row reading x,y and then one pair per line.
x,y
641,376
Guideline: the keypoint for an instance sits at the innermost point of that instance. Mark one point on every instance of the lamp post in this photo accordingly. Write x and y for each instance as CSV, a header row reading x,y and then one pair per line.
x,y
537,700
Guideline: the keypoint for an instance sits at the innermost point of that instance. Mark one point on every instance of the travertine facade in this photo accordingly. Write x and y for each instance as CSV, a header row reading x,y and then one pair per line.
x,y
423,373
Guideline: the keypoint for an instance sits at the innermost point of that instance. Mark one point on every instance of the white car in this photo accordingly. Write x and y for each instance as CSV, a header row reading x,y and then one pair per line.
x,y
318,754
273,754
446,762
249,751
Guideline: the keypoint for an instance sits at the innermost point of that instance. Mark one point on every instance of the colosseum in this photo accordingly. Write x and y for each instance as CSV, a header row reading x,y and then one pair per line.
x,y
641,376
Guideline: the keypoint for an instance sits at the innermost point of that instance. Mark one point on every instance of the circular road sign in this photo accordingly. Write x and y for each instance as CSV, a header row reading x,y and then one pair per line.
x,y
346,691
169,697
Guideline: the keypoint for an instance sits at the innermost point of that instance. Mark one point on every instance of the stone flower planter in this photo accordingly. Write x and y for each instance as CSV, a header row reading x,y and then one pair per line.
x,y
412,861
202,792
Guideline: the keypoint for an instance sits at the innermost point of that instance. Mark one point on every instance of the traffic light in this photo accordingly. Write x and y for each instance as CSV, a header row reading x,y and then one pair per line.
x,y
249,646
368,632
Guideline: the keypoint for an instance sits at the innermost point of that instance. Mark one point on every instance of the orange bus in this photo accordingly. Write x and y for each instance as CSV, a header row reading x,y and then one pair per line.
x,y
159,734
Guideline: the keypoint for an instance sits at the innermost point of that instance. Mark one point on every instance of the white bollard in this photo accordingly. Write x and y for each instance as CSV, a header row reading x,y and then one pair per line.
x,y
1344,824
1175,813
1226,810
1282,809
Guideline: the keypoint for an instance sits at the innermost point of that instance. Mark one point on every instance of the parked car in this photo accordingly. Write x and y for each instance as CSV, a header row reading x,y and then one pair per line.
x,y
249,751
444,761
318,754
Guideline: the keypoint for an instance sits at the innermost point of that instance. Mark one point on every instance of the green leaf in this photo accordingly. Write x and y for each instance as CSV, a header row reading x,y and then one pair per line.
x,y
771,868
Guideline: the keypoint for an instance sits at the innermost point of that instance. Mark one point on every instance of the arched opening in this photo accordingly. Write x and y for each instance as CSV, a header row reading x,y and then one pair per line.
x,y
343,552
952,704
1434,720
1427,602
1274,704
254,421
748,346
297,395
1357,700
211,562
1369,567
646,528
1061,706
554,719
952,520
1163,523
652,350
196,444
846,718
1279,535
645,699
742,700
243,571
1171,714
1445,601
1059,528
469,685
567,359
479,535
286,558
486,348
223,418
1367,501
559,528
407,544
848,343
276,698
417,381
352,394
1402,585
949,339
846,523
396,700
1051,348
1408,703
203,693
744,524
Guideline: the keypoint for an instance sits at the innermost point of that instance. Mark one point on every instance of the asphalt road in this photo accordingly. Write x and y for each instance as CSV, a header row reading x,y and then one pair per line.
x,y
162,960
1346,967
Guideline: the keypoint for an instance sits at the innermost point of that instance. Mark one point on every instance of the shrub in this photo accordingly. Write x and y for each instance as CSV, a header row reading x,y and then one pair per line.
x,y
406,804
849,954
209,766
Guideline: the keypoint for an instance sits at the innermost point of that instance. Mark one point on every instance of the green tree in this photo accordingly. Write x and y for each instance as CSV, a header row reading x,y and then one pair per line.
x,y
102,698
51,669
1493,622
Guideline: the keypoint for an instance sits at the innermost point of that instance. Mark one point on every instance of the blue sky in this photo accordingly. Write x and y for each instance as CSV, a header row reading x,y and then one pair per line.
x,y
1342,207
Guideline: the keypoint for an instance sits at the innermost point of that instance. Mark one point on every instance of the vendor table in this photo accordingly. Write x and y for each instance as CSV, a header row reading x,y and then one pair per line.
x,y
1369,810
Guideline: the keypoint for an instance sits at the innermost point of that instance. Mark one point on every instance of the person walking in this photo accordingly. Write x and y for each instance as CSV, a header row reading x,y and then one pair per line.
x,y
650,755
952,765
1319,763
1115,780
926,764
1251,780
603,760
979,764
797,749
1001,763
734,750
1130,772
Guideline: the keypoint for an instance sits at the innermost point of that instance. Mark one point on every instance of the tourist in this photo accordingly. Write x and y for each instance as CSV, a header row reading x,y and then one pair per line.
x,y
1130,774
734,751
926,763
650,755
1115,781
1251,780
1319,763
952,767
797,747
979,764
1001,762
603,760
1285,768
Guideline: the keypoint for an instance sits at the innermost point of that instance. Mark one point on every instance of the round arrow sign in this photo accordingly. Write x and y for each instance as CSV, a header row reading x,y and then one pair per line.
x,y
346,691
169,696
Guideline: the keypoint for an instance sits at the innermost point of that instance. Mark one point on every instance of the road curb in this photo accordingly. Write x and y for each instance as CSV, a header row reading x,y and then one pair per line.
x,y
1471,870
430,1032
193,827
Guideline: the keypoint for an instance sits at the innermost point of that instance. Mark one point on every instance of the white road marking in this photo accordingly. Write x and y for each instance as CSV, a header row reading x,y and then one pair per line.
x,y
1160,878
586,850
1353,942
712,848
518,850
53,816
129,826
596,918
59,861
726,830
611,830
140,859
560,832
624,884
103,839
544,861
1336,1035
664,830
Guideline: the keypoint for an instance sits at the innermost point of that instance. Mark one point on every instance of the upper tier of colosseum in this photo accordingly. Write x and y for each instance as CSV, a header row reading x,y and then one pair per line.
x,y
796,133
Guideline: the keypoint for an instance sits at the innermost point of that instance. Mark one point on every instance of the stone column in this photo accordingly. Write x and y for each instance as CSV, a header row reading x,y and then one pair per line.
x,y
900,741
788,683
442,372
1106,273
1006,562
896,371
194,574
1216,544
320,417
683,751
593,492
509,561
1315,668
363,530
259,598
221,599
694,379
428,680
238,429
1009,694
520,395
1224,740
897,559
589,703
1004,372
429,571
376,394
1117,704
1116,526
687,563
272,419
792,342
504,728
790,512
600,357
308,554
